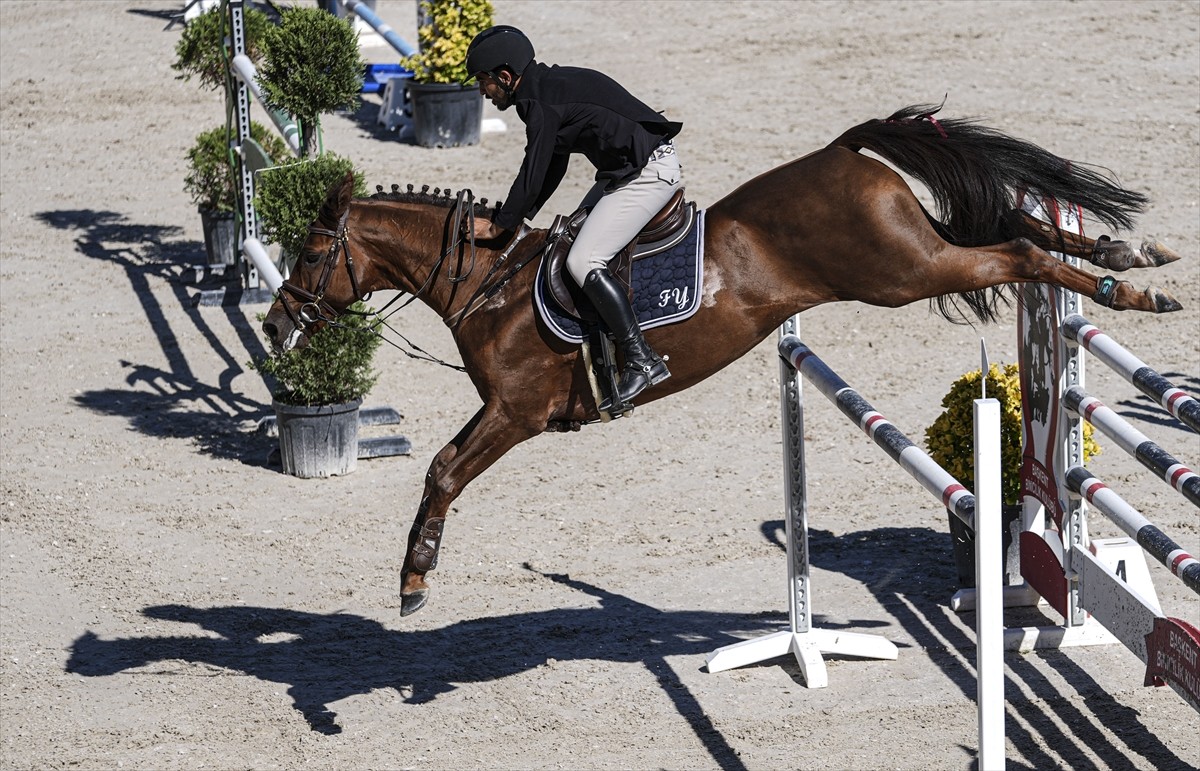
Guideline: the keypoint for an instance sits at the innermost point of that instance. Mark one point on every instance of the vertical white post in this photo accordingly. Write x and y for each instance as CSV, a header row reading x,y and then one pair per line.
x,y
795,490
802,640
241,97
989,609
1075,535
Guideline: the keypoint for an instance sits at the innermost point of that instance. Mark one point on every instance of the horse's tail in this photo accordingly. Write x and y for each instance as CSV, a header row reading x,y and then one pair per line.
x,y
975,174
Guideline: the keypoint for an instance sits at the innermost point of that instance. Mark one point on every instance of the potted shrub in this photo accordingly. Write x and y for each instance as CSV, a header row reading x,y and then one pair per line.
x,y
319,391
445,112
201,52
212,177
288,197
212,182
951,443
311,66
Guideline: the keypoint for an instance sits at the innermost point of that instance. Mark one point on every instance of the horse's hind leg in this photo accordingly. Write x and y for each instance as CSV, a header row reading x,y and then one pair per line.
x,y
1102,252
1155,253
1020,260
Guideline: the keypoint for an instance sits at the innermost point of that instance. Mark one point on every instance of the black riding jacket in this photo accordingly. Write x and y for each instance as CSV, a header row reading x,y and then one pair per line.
x,y
574,110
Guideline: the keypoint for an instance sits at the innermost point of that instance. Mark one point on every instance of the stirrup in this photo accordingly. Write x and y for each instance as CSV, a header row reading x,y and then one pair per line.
x,y
651,373
617,410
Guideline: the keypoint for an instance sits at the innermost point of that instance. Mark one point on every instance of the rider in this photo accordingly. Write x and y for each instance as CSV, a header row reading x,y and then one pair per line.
x,y
574,110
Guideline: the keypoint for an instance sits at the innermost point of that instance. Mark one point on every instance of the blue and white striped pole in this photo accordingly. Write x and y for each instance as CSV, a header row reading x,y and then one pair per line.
x,y
363,12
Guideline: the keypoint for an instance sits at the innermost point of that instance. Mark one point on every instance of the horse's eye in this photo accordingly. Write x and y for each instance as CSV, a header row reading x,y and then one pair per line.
x,y
311,258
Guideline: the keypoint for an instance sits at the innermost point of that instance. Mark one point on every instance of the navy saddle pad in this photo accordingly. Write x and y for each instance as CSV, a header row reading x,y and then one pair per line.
x,y
666,287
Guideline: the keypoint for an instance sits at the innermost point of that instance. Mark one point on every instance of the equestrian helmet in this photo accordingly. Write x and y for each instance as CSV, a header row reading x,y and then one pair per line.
x,y
497,47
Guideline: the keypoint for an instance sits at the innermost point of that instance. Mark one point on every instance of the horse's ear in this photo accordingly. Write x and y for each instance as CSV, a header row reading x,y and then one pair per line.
x,y
346,191
337,200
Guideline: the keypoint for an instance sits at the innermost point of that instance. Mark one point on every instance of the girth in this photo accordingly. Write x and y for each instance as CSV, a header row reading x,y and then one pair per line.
x,y
663,231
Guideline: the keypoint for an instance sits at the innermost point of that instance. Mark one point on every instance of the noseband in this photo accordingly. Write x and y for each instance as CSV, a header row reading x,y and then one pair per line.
x,y
312,305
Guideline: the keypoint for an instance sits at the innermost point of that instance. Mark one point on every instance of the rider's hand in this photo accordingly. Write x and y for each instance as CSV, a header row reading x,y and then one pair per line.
x,y
486,230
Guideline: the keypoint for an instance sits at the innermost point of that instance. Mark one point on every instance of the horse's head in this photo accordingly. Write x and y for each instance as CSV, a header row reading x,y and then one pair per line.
x,y
323,282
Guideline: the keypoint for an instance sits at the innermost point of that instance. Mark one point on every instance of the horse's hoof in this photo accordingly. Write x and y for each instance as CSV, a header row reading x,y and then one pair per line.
x,y
1157,254
411,603
1163,302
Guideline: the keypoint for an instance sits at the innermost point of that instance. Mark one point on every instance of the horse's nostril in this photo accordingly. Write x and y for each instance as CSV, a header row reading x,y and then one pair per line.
x,y
270,330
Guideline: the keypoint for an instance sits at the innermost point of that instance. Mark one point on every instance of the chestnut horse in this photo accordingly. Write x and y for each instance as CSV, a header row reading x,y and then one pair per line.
x,y
834,225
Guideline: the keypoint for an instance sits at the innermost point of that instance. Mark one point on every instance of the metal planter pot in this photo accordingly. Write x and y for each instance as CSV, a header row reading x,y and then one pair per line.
x,y
445,114
317,442
220,236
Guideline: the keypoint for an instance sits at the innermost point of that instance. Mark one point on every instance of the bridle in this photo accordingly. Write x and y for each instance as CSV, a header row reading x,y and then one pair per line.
x,y
312,305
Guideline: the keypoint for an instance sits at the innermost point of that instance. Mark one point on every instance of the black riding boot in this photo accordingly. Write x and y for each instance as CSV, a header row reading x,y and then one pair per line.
x,y
643,368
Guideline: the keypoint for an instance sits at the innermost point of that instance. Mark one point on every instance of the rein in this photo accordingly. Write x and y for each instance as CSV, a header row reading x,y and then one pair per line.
x,y
314,308
485,291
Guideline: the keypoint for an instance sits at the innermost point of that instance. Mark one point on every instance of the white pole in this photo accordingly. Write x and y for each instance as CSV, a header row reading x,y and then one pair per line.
x,y
989,610
266,269
248,74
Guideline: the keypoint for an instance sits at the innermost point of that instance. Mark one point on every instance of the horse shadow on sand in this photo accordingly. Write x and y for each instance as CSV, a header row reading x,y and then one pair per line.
x,y
170,401
323,658
911,573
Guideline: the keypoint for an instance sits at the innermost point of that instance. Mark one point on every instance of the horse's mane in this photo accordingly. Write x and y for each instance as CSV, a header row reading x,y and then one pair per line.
x,y
439,197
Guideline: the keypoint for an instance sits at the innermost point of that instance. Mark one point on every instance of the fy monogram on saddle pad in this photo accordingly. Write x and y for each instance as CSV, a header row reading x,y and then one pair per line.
x,y
666,276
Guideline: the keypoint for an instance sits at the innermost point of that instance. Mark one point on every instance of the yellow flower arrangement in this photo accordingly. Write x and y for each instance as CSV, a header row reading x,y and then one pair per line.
x,y
452,25
951,438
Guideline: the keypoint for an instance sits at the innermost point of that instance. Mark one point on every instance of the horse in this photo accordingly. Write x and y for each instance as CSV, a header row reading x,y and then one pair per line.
x,y
832,226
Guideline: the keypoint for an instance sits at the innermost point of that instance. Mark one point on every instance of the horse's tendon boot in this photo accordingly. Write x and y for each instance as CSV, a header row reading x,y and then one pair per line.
x,y
427,545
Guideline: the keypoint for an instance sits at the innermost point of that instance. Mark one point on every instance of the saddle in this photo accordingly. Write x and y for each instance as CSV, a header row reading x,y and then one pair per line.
x,y
664,231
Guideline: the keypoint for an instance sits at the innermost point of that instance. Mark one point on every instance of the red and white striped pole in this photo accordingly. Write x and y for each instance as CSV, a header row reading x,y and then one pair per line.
x,y
1146,533
1179,403
1134,442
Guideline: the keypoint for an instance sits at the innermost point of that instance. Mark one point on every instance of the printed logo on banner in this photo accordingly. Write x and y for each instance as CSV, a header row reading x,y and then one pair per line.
x,y
1173,655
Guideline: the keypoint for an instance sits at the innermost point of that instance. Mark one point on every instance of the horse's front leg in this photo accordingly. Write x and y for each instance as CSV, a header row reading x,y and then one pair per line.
x,y
480,443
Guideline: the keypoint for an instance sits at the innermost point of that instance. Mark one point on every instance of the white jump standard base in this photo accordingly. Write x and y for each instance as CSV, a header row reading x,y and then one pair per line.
x,y
808,645
808,648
